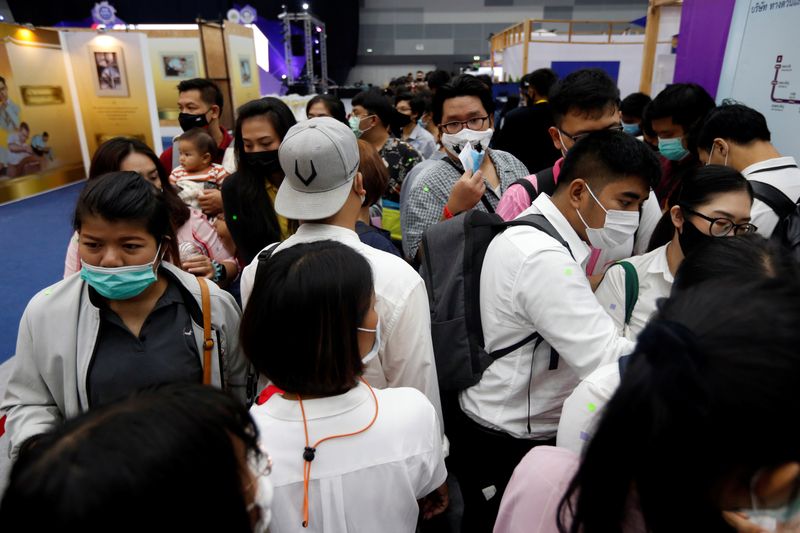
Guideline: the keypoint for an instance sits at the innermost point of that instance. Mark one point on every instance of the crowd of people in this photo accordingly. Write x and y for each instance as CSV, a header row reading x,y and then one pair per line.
x,y
422,312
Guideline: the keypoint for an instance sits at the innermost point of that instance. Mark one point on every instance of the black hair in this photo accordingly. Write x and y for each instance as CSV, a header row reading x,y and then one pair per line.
x,y
436,79
589,91
463,85
25,126
697,188
416,102
164,454
45,134
647,122
109,157
542,80
633,105
201,139
685,103
209,91
334,106
746,257
735,122
257,218
606,155
672,432
376,104
3,80
486,79
299,326
127,196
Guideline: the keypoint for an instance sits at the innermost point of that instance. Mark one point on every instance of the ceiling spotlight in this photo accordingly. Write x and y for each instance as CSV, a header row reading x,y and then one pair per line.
x,y
305,6
476,58
283,76
369,50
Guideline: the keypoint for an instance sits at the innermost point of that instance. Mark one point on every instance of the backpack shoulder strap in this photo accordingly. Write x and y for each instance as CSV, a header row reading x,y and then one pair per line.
x,y
526,184
623,363
541,223
263,258
631,288
546,181
774,198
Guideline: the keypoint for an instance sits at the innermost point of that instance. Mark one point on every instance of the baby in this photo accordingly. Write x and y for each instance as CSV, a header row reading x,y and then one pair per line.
x,y
196,170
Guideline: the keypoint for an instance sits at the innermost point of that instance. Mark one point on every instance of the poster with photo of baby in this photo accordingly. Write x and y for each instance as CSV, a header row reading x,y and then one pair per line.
x,y
108,69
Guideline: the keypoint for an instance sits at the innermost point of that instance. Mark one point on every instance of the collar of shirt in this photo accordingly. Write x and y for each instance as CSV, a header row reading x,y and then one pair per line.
x,y
312,232
416,133
660,265
227,139
770,163
545,206
283,409
557,169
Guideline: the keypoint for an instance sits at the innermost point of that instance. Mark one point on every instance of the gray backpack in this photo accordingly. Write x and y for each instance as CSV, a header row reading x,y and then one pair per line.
x,y
452,258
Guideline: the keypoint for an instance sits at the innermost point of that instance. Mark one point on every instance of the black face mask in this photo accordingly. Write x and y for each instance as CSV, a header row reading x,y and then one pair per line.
x,y
691,238
189,121
262,163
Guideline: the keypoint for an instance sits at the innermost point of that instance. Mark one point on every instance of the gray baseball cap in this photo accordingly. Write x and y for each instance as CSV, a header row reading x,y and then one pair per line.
x,y
320,159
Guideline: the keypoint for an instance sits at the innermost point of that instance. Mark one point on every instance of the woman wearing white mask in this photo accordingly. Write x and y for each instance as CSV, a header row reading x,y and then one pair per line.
x,y
347,457
714,201
181,457
129,319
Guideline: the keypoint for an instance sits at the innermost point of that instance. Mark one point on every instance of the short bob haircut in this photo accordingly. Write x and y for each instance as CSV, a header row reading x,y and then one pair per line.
x,y
299,328
163,459
373,172
127,196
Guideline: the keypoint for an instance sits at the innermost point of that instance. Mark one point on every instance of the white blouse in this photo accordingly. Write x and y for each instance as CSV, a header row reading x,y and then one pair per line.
x,y
363,483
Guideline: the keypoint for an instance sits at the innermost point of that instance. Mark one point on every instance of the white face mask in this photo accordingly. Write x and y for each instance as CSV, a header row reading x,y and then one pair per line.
x,y
376,346
618,227
455,142
263,500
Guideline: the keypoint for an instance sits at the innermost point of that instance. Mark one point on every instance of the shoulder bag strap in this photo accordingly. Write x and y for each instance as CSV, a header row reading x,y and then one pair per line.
x,y
208,340
773,197
631,288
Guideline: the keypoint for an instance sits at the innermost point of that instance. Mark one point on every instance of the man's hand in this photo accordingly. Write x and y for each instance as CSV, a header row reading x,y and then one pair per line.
x,y
210,201
466,192
435,503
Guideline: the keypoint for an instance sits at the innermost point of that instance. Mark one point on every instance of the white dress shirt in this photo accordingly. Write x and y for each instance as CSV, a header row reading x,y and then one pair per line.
x,y
785,179
405,358
655,282
531,283
583,407
363,483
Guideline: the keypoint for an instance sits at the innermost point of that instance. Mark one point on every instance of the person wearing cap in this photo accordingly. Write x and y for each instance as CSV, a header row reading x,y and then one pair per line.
x,y
324,190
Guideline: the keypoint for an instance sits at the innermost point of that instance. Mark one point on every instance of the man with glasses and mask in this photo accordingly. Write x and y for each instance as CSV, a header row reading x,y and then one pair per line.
x,y
463,109
584,101
200,104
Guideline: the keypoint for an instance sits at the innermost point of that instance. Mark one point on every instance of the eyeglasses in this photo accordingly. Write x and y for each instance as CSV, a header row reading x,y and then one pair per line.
x,y
720,227
578,137
475,124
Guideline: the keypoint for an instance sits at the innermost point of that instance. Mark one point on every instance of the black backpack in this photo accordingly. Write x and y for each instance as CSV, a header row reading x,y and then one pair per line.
x,y
787,231
452,258
545,183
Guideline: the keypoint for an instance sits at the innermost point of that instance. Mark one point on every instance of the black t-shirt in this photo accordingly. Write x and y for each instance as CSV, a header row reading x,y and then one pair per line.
x,y
525,135
164,352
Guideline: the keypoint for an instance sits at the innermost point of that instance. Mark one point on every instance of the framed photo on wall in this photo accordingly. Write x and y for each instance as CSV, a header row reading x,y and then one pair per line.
x,y
245,71
108,72
178,65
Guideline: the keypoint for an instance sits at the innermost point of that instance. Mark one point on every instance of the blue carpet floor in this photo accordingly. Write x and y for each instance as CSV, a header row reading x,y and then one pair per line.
x,y
34,234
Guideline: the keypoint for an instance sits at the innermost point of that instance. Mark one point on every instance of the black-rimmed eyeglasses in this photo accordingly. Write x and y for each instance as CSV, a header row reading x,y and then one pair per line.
x,y
721,226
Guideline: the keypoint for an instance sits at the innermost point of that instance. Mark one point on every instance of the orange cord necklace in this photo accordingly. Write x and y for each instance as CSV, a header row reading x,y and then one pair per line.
x,y
310,451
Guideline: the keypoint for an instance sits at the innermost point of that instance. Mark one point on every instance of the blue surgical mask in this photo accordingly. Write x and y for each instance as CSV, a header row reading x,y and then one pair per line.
x,y
672,149
631,129
376,346
120,283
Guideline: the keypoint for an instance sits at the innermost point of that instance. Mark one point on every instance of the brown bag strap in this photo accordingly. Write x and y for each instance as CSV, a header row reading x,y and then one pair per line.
x,y
208,340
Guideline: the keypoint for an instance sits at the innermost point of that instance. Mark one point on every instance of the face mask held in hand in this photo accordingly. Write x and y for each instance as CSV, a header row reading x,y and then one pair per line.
x,y
618,227
120,283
